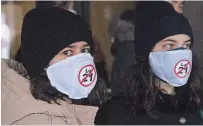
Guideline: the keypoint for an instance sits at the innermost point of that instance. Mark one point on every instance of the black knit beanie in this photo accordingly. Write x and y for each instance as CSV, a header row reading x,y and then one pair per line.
x,y
154,21
45,32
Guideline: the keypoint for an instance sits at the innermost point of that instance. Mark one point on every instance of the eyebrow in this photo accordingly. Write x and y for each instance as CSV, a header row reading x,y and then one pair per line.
x,y
172,40
169,40
87,45
73,46
189,40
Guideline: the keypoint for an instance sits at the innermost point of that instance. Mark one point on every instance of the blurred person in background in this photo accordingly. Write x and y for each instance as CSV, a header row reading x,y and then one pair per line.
x,y
99,60
121,29
68,5
57,82
163,87
178,5
5,37
122,37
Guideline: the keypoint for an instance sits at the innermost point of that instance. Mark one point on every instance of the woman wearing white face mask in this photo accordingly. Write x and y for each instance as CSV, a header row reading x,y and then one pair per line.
x,y
164,86
61,85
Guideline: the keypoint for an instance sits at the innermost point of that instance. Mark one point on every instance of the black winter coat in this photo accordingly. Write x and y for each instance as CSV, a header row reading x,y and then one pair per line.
x,y
116,112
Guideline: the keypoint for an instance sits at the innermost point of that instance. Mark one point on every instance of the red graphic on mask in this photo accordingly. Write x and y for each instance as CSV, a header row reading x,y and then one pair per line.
x,y
87,75
182,68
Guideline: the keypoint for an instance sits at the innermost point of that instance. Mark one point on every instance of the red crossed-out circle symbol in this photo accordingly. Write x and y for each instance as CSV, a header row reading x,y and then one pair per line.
x,y
182,68
87,75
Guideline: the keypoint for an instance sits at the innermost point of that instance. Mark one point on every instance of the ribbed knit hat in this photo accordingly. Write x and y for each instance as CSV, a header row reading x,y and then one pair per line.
x,y
45,32
154,21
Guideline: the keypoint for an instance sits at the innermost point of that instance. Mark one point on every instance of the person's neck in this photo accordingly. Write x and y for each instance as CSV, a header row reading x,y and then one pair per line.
x,y
167,88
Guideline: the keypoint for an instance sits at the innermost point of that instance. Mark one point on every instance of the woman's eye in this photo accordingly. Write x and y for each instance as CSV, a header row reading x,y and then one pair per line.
x,y
187,46
86,50
169,46
68,52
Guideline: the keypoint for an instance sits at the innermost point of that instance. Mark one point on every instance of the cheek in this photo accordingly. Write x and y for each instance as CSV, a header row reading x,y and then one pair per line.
x,y
57,58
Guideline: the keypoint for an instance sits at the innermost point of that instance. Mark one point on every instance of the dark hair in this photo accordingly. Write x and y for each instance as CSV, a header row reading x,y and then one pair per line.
x,y
141,91
41,89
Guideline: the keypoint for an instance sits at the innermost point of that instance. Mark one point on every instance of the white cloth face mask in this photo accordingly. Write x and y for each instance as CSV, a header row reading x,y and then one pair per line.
x,y
173,66
75,76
